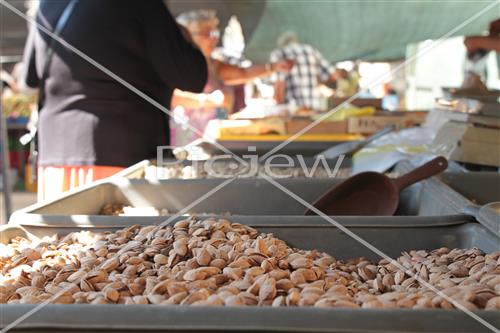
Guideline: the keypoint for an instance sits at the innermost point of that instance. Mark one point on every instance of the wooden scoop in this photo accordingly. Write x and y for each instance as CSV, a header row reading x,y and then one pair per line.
x,y
373,193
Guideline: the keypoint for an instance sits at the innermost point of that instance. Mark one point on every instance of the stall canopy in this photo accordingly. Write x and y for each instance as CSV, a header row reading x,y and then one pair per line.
x,y
372,30
13,31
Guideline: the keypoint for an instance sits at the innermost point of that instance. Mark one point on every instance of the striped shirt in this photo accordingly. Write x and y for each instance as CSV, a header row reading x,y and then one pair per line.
x,y
301,83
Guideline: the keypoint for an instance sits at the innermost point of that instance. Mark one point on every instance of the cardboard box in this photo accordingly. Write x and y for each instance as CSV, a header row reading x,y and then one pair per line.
x,y
488,121
295,125
217,128
477,153
375,123
360,102
470,144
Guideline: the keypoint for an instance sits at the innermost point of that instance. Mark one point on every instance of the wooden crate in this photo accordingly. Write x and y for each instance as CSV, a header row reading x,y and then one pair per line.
x,y
217,128
482,120
295,125
375,123
472,144
360,102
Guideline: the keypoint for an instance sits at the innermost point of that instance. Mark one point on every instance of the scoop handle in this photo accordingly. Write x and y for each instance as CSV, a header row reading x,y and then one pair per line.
x,y
472,210
429,169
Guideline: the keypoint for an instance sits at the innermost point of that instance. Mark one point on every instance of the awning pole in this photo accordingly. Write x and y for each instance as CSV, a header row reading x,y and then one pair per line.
x,y
5,164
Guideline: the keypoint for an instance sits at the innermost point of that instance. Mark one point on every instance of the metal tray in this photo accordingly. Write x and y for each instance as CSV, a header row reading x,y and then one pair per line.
x,y
247,196
240,148
392,235
155,318
450,192
144,168
478,187
240,197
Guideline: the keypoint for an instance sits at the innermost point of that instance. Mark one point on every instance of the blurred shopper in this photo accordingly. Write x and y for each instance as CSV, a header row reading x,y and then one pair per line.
x,y
91,126
390,100
8,83
232,52
216,99
483,44
347,82
299,87
478,48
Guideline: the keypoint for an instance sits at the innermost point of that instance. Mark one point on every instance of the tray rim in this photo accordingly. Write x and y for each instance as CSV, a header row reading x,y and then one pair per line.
x,y
240,318
294,221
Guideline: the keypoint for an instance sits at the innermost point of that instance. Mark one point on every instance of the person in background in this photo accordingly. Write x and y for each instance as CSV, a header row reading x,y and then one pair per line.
x,y
475,44
91,126
8,82
231,51
347,82
478,47
237,92
217,98
299,86
390,100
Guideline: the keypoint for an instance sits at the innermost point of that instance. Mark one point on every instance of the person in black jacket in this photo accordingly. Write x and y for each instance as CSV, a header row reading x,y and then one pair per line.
x,y
90,124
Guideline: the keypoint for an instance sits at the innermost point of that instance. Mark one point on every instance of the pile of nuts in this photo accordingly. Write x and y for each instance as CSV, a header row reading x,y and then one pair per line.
x,y
125,210
114,209
228,169
217,263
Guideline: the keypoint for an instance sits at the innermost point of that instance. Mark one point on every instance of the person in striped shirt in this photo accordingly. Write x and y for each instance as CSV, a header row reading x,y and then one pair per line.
x,y
299,86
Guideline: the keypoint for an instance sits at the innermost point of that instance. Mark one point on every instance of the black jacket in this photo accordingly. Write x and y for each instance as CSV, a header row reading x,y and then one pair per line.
x,y
88,118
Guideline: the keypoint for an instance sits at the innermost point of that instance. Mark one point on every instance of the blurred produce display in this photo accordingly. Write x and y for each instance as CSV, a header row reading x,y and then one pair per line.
x,y
348,119
346,112
18,105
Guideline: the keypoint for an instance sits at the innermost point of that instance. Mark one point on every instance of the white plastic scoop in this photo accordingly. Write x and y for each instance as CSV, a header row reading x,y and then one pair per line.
x,y
488,215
